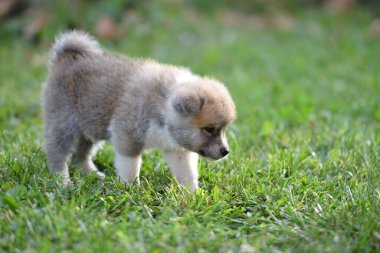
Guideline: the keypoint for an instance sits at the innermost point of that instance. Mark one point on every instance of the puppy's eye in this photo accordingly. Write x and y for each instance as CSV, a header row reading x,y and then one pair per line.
x,y
209,130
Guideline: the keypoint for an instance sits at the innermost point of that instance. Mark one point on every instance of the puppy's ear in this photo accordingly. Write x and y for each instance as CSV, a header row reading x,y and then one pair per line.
x,y
188,105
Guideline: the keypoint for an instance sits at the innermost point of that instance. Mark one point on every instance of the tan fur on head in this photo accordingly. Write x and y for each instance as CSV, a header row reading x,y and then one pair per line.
x,y
92,95
218,108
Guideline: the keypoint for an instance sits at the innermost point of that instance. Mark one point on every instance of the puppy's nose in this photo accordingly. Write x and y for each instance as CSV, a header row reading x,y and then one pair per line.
x,y
224,151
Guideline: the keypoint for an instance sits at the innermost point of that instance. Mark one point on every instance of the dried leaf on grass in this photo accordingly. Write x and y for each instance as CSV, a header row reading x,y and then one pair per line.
x,y
107,29
374,28
7,6
339,5
39,20
277,20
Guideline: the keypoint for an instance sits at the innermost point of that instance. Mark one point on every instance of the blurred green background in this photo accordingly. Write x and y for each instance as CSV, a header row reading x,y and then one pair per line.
x,y
259,47
303,173
39,20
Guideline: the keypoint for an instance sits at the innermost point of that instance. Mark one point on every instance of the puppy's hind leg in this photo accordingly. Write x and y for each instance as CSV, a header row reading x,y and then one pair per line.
x,y
184,165
59,142
82,157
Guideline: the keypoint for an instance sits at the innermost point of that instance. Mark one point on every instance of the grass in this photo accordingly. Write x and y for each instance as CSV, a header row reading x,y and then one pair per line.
x,y
303,174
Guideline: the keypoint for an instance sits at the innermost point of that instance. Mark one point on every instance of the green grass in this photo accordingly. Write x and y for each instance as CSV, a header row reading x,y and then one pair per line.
x,y
304,169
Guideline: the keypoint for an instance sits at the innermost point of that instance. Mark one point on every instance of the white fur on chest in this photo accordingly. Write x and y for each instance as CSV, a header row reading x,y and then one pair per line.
x,y
159,137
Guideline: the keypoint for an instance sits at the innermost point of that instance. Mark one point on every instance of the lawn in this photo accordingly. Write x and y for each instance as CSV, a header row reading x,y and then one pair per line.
x,y
303,174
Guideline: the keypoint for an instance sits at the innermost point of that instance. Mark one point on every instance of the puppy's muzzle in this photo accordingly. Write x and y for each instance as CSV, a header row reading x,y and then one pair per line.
x,y
222,153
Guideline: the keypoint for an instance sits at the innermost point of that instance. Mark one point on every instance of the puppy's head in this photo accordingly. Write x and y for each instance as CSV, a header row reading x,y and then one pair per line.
x,y
202,109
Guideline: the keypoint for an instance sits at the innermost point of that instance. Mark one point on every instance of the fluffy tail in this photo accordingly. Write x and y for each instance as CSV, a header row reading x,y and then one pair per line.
x,y
73,43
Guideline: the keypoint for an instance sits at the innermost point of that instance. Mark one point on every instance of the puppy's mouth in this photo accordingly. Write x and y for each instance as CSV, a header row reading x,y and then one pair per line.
x,y
202,152
207,155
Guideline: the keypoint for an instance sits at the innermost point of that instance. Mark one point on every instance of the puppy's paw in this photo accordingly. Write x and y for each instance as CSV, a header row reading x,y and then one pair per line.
x,y
87,167
191,187
97,174
66,182
100,174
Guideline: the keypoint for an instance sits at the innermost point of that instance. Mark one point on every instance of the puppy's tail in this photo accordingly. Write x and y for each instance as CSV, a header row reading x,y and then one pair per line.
x,y
73,44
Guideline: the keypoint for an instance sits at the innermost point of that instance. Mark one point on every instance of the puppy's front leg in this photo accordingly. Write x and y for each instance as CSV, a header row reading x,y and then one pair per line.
x,y
184,165
128,167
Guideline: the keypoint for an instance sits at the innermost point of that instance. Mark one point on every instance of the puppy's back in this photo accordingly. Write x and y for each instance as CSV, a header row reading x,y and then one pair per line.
x,y
83,83
90,84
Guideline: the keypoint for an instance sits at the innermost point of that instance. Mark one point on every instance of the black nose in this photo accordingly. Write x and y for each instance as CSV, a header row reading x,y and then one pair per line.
x,y
224,151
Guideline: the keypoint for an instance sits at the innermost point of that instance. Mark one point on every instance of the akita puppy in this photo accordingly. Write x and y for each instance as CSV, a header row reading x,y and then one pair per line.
x,y
92,95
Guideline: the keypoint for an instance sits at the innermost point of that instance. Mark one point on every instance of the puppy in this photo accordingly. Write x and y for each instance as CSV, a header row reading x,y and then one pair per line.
x,y
92,95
